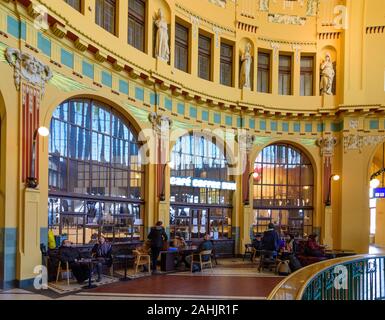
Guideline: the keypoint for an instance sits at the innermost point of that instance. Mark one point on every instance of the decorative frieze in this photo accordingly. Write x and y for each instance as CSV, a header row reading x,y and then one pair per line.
x,y
353,124
263,5
312,8
357,142
29,68
286,19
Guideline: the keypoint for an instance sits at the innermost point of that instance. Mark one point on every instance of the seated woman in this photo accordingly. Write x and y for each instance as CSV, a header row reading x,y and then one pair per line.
x,y
102,251
70,254
313,248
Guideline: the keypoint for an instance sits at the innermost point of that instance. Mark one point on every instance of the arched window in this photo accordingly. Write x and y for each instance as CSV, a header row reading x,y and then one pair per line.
x,y
201,189
283,190
95,173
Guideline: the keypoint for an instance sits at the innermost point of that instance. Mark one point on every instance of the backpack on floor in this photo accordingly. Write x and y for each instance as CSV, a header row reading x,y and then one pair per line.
x,y
294,263
283,268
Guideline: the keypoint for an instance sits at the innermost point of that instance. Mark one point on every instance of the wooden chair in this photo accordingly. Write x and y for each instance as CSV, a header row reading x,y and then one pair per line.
x,y
202,263
248,251
142,259
268,260
60,270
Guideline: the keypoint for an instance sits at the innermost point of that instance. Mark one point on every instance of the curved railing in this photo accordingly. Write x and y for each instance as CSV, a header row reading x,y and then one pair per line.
x,y
360,277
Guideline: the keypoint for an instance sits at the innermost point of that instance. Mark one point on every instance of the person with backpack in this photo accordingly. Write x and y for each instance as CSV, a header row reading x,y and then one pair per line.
x,y
157,236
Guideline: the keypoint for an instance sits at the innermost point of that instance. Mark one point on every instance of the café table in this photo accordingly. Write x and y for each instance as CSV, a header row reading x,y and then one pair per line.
x,y
125,257
185,252
90,263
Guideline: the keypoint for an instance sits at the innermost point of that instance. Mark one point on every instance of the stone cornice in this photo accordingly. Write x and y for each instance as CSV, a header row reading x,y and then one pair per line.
x,y
301,43
212,24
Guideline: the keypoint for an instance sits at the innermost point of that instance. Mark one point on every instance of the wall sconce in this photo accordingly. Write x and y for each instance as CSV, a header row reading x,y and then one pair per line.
x,y
31,181
255,175
163,193
334,177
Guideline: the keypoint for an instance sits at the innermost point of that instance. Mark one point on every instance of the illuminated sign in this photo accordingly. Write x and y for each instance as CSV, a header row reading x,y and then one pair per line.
x,y
202,183
379,193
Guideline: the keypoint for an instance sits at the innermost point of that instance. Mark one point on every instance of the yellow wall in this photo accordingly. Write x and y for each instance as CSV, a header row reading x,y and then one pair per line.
x,y
358,51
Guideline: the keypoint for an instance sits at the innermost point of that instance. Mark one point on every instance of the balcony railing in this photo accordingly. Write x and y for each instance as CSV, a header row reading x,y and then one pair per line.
x,y
359,277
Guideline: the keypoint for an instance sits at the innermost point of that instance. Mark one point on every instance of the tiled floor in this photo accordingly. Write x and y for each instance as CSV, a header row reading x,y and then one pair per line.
x,y
231,279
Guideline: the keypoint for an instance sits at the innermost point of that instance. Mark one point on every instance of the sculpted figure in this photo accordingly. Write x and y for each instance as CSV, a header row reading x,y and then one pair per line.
x,y
327,75
162,50
246,59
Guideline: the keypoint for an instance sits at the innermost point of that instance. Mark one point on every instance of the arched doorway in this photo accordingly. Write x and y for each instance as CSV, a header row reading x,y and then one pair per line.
x,y
95,174
283,190
201,194
377,200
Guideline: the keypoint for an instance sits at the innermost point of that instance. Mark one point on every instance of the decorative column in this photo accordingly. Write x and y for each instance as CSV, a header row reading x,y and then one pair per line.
x,y
327,145
30,77
161,126
245,143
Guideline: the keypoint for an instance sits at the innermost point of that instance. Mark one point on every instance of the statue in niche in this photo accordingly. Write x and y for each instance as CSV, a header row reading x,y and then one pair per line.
x,y
327,75
162,50
245,79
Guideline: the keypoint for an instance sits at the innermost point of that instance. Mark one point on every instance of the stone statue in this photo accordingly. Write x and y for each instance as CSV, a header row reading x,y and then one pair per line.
x,y
162,50
246,59
327,75
29,68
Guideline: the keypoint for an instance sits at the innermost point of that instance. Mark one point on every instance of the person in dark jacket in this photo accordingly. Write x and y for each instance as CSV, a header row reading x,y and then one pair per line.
x,y
157,236
270,240
312,248
70,254
103,252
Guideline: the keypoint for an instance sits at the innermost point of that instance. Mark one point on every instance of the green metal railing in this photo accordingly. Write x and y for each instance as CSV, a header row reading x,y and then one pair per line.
x,y
360,277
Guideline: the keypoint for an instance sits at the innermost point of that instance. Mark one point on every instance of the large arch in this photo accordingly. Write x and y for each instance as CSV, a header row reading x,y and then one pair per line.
x,y
311,155
197,208
116,104
92,202
376,207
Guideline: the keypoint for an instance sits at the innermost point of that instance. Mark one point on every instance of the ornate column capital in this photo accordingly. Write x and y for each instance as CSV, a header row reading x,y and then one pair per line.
x,y
245,141
28,68
160,123
327,145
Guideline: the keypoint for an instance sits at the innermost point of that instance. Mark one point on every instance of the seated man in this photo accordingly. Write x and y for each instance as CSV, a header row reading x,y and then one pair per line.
x,y
70,254
204,246
102,251
257,242
270,240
